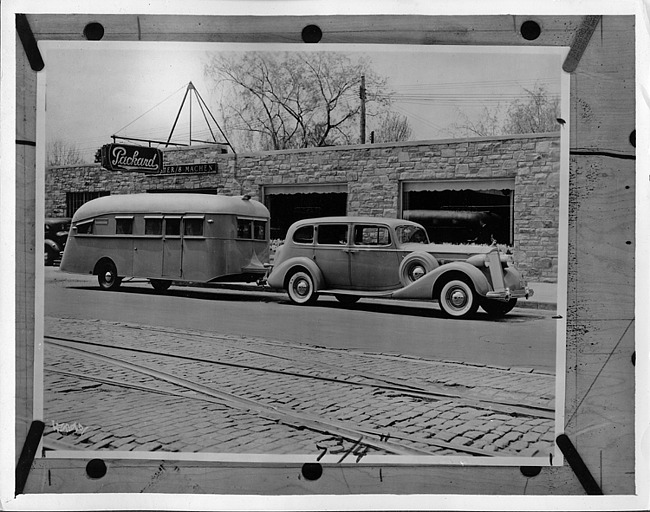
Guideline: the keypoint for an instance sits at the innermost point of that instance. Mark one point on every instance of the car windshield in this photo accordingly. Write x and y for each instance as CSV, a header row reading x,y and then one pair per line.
x,y
411,235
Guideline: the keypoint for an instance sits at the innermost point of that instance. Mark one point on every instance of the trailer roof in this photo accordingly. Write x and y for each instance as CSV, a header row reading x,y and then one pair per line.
x,y
170,204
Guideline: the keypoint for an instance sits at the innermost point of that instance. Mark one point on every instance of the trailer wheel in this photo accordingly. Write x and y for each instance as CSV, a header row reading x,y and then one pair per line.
x,y
107,276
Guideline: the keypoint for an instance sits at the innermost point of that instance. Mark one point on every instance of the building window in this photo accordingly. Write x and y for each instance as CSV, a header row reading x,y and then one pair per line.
x,y
290,203
462,211
73,200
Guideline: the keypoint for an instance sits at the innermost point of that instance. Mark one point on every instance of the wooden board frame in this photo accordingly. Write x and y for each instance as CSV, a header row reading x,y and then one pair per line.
x,y
601,356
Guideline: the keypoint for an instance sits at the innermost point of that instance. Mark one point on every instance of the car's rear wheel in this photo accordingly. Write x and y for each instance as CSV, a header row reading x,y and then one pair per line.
x,y
107,276
300,288
457,299
160,285
498,308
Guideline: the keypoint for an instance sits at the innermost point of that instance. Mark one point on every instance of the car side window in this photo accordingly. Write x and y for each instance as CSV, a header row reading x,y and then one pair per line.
x,y
304,235
336,234
371,235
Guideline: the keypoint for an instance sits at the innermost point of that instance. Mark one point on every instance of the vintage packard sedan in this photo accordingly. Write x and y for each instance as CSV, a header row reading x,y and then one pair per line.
x,y
353,257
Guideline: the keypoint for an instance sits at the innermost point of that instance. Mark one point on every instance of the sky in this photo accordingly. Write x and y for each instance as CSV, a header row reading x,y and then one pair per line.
x,y
96,90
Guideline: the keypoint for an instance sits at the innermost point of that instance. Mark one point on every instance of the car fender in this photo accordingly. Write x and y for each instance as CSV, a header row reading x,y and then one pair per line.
x,y
423,287
53,245
279,274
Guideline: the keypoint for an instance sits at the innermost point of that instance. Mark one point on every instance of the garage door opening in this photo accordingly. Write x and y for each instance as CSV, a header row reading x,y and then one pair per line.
x,y
476,214
286,209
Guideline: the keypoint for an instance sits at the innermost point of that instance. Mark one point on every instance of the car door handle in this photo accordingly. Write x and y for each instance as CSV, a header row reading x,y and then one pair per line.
x,y
351,251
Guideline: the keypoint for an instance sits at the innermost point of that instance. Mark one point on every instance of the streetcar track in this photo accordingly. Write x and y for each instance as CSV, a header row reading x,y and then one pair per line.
x,y
282,415
313,348
417,392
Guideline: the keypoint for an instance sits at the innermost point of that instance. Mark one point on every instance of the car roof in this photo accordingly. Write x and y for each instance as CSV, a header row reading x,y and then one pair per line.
x,y
357,220
170,204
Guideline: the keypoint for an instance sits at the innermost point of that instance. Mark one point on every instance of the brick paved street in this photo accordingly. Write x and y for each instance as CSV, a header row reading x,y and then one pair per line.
x,y
152,389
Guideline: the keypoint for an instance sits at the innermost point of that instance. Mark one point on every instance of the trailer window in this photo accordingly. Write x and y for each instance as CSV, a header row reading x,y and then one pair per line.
x,y
193,227
85,228
259,229
244,228
172,226
123,225
153,226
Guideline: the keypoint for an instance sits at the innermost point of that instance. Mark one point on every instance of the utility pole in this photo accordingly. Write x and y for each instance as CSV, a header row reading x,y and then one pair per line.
x,y
362,95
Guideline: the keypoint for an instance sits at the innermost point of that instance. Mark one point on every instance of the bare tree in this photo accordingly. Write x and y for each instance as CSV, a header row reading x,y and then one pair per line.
x,y
538,113
295,100
393,127
489,123
61,152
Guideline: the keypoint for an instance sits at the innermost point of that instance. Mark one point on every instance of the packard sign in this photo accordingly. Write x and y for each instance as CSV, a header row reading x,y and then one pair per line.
x,y
121,157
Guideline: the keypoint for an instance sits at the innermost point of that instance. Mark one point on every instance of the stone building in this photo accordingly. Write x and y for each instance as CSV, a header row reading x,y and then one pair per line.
x,y
513,179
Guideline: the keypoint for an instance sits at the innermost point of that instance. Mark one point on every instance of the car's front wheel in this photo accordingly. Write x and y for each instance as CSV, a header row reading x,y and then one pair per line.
x,y
301,288
457,299
498,308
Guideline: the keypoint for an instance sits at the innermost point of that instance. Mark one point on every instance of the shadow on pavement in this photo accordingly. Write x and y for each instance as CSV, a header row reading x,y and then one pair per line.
x,y
401,308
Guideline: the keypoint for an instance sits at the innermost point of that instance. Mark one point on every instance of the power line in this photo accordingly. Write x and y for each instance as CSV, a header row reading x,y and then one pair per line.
x,y
155,106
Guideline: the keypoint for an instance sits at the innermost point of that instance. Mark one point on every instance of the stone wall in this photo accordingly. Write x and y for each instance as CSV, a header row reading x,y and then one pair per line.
x,y
372,173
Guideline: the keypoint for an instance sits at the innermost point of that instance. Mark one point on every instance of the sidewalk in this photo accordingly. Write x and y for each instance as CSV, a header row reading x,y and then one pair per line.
x,y
545,297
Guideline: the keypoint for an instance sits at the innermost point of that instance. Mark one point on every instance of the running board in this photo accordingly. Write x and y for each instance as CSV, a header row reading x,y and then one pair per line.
x,y
377,295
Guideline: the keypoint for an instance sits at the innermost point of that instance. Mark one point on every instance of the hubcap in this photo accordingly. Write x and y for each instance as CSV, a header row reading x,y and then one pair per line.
x,y
417,272
302,287
457,298
108,277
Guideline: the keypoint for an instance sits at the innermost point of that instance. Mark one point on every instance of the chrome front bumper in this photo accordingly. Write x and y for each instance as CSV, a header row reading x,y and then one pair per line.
x,y
507,294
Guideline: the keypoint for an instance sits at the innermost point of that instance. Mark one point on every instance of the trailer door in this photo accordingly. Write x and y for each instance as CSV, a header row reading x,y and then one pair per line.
x,y
172,248
147,250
